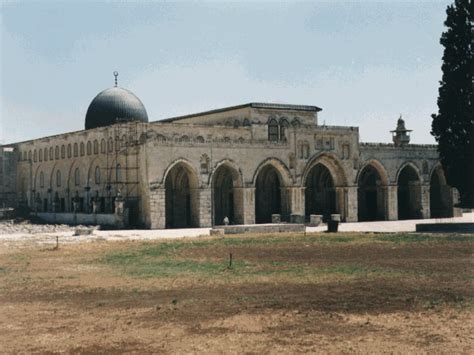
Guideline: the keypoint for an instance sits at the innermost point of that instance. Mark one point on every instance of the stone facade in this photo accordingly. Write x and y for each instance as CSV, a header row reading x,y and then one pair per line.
x,y
244,163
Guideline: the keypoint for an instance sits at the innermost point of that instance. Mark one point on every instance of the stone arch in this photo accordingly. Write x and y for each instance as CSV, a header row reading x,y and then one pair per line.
x,y
409,192
441,196
181,195
270,180
372,181
226,182
324,179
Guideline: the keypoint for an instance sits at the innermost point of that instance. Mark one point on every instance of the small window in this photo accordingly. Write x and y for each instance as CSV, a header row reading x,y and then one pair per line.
x,y
124,141
63,152
40,155
58,178
102,146
199,139
41,179
45,154
29,155
97,175
118,173
82,149
76,150
51,153
35,156
204,164
77,177
273,131
89,148
283,128
246,122
236,124
69,150
96,147
110,145
56,153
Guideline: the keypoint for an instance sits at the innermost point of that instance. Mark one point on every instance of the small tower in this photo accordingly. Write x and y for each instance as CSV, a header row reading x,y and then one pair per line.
x,y
401,135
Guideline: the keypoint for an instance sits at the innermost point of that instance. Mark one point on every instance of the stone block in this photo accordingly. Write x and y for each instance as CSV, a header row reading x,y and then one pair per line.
x,y
296,218
315,220
276,218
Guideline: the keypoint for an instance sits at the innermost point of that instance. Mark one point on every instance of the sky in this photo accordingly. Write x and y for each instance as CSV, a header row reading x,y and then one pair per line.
x,y
363,62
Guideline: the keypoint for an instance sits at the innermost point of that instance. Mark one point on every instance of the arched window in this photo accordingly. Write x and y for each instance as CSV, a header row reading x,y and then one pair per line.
x,y
81,149
204,164
41,179
76,150
199,139
110,145
246,122
102,146
45,154
89,148
35,156
77,177
58,178
283,128
236,124
63,152
296,123
69,150
96,147
118,173
40,155
124,141
29,155
56,153
51,153
97,175
273,131
117,143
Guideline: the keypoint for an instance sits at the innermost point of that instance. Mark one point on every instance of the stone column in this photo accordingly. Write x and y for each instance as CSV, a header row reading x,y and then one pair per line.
x,y
239,205
425,201
340,202
351,204
392,202
157,208
248,205
295,203
204,207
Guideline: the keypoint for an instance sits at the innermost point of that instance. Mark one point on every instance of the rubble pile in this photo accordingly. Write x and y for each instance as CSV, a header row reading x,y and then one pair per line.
x,y
12,227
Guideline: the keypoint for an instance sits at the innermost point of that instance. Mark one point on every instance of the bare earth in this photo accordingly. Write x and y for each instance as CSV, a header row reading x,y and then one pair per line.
x,y
319,293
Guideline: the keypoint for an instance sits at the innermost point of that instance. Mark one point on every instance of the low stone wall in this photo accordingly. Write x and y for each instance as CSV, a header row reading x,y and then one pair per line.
x,y
102,219
263,228
446,227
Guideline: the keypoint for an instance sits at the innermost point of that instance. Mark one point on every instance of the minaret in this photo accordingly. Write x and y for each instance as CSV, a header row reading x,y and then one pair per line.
x,y
401,135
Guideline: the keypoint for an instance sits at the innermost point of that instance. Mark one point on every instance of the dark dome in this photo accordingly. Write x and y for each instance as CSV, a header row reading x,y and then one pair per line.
x,y
115,105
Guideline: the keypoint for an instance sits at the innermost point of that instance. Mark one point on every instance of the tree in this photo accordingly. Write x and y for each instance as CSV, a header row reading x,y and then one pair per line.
x,y
453,126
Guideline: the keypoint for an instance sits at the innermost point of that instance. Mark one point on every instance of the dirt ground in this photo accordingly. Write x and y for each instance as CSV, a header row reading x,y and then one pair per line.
x,y
344,293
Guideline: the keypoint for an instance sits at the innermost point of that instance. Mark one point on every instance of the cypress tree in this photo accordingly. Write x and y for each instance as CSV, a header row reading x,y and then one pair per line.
x,y
453,126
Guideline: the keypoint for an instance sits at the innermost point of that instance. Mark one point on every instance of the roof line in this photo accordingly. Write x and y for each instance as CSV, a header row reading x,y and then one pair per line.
x,y
252,105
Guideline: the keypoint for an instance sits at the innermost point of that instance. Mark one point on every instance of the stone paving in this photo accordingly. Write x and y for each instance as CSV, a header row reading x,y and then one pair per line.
x,y
37,234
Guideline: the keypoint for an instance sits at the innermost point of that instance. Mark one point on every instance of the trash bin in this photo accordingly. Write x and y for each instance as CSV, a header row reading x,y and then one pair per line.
x,y
333,223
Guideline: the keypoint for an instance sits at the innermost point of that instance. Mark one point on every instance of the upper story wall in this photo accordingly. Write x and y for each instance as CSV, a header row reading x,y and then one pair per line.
x,y
423,157
252,113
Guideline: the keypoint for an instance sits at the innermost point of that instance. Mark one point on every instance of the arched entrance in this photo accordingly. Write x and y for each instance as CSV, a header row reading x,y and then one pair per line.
x,y
440,195
181,197
409,194
226,196
320,194
371,197
267,194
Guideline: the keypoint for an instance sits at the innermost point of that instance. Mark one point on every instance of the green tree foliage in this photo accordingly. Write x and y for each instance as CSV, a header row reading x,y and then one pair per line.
x,y
453,126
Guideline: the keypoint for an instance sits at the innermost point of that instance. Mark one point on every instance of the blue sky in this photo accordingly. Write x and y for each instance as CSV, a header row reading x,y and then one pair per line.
x,y
362,62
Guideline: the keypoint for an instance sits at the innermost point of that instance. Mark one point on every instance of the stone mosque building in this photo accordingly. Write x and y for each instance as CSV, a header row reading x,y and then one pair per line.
x,y
252,163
